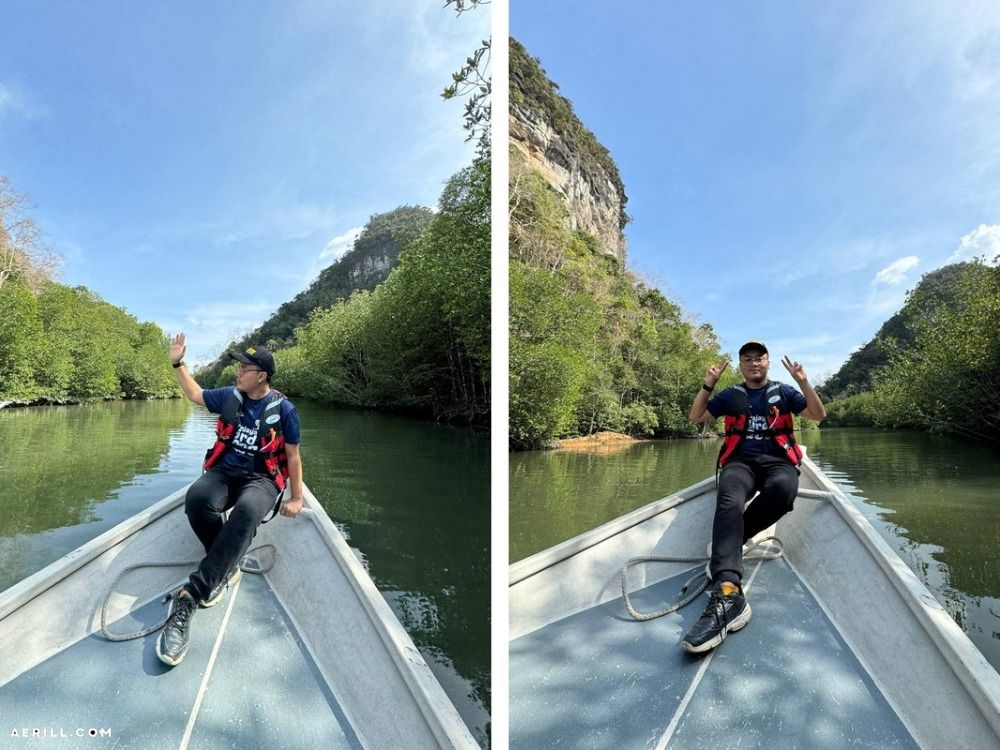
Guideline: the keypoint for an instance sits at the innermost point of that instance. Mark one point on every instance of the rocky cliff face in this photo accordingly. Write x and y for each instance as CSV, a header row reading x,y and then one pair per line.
x,y
552,141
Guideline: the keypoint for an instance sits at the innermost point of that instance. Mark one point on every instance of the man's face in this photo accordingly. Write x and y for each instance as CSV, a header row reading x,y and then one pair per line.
x,y
248,377
754,365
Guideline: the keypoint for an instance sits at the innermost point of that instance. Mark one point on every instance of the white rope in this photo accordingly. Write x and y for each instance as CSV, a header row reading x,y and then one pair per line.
x,y
753,551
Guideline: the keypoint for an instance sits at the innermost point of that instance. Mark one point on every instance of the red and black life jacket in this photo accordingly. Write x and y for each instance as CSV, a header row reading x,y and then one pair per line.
x,y
271,458
780,425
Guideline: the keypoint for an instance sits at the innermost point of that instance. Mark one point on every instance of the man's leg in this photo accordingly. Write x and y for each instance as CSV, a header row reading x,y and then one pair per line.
x,y
207,499
727,609
779,483
255,499
736,486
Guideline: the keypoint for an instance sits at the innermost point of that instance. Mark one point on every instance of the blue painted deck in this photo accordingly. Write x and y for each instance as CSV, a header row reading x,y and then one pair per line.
x,y
264,689
598,679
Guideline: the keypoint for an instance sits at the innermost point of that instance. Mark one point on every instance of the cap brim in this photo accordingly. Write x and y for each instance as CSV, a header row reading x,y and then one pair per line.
x,y
242,358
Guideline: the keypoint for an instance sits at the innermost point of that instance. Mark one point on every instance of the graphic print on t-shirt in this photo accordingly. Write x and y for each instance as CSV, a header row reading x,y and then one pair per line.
x,y
245,439
757,425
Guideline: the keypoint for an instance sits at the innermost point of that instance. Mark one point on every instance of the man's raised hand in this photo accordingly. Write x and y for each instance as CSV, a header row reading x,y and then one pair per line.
x,y
177,349
713,373
796,370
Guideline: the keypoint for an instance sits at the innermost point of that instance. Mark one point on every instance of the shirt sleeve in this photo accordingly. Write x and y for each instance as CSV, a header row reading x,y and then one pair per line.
x,y
215,398
795,400
718,405
290,427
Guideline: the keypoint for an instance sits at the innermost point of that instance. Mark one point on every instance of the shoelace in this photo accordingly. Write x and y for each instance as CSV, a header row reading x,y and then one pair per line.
x,y
716,600
182,611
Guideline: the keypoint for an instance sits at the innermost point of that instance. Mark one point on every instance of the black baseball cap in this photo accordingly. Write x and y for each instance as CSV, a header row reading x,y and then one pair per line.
x,y
256,355
753,346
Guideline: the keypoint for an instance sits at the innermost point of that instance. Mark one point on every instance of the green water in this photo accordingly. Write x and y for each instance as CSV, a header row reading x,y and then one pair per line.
x,y
935,499
411,497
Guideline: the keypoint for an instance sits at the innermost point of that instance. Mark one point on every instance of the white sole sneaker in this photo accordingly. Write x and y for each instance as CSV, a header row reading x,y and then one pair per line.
x,y
738,624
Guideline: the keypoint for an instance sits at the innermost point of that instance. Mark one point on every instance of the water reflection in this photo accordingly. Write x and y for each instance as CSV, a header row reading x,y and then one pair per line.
x,y
934,499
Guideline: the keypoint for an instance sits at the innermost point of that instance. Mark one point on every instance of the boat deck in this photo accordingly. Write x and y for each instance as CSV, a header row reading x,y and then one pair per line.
x,y
247,681
598,679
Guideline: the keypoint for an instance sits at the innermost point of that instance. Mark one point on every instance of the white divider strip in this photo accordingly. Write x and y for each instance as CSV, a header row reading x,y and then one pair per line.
x,y
196,708
682,707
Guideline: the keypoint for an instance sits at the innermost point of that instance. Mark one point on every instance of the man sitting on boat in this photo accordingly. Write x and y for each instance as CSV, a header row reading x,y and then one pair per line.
x,y
759,454
254,458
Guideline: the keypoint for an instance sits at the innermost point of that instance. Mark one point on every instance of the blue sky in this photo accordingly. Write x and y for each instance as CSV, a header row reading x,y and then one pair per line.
x,y
200,163
792,168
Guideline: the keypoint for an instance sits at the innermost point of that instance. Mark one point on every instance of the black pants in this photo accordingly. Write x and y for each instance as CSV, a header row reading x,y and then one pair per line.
x,y
778,482
225,542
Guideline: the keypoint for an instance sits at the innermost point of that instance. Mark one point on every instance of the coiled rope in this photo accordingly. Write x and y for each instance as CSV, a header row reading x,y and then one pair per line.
x,y
247,565
759,550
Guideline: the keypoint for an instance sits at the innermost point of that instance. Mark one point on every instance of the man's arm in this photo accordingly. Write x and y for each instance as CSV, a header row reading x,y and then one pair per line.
x,y
188,384
293,505
699,409
814,407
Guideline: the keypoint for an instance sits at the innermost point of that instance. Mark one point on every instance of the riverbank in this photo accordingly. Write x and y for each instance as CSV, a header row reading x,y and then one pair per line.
x,y
72,401
600,442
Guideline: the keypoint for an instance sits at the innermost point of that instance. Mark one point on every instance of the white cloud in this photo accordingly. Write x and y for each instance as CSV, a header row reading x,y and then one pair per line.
x,y
984,240
11,102
895,273
7,101
337,247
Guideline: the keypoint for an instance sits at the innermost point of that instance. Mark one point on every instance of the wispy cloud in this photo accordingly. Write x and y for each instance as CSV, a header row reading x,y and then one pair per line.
x,y
337,247
983,241
334,250
896,272
16,103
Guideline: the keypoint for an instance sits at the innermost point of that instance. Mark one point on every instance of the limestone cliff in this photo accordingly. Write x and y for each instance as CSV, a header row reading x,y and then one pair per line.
x,y
548,136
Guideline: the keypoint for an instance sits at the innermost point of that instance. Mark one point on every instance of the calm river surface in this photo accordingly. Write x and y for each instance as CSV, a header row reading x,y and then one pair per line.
x,y
412,497
935,499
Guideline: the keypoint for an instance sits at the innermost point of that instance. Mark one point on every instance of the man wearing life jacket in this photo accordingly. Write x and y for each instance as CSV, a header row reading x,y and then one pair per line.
x,y
758,453
255,458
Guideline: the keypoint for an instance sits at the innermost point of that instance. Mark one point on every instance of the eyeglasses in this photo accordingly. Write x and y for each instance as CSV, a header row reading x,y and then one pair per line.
x,y
243,370
753,360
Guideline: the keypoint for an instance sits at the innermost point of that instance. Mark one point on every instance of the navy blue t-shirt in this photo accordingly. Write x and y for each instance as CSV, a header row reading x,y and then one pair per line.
x,y
239,457
725,404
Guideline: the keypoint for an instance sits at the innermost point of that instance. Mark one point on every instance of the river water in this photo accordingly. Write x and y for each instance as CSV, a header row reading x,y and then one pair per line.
x,y
411,497
934,498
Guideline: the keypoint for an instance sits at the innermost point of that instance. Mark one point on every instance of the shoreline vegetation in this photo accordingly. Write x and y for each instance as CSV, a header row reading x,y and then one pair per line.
x,y
935,365
416,344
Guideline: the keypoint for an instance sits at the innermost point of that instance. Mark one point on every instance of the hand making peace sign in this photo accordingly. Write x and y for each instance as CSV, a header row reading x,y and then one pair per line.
x,y
796,370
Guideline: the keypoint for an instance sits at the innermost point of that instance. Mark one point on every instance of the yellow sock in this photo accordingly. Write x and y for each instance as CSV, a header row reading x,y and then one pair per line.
x,y
729,588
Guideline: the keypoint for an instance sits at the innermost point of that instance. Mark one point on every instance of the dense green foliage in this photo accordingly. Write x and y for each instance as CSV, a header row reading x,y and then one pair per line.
x,y
855,375
420,341
531,89
591,347
944,375
67,344
366,265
